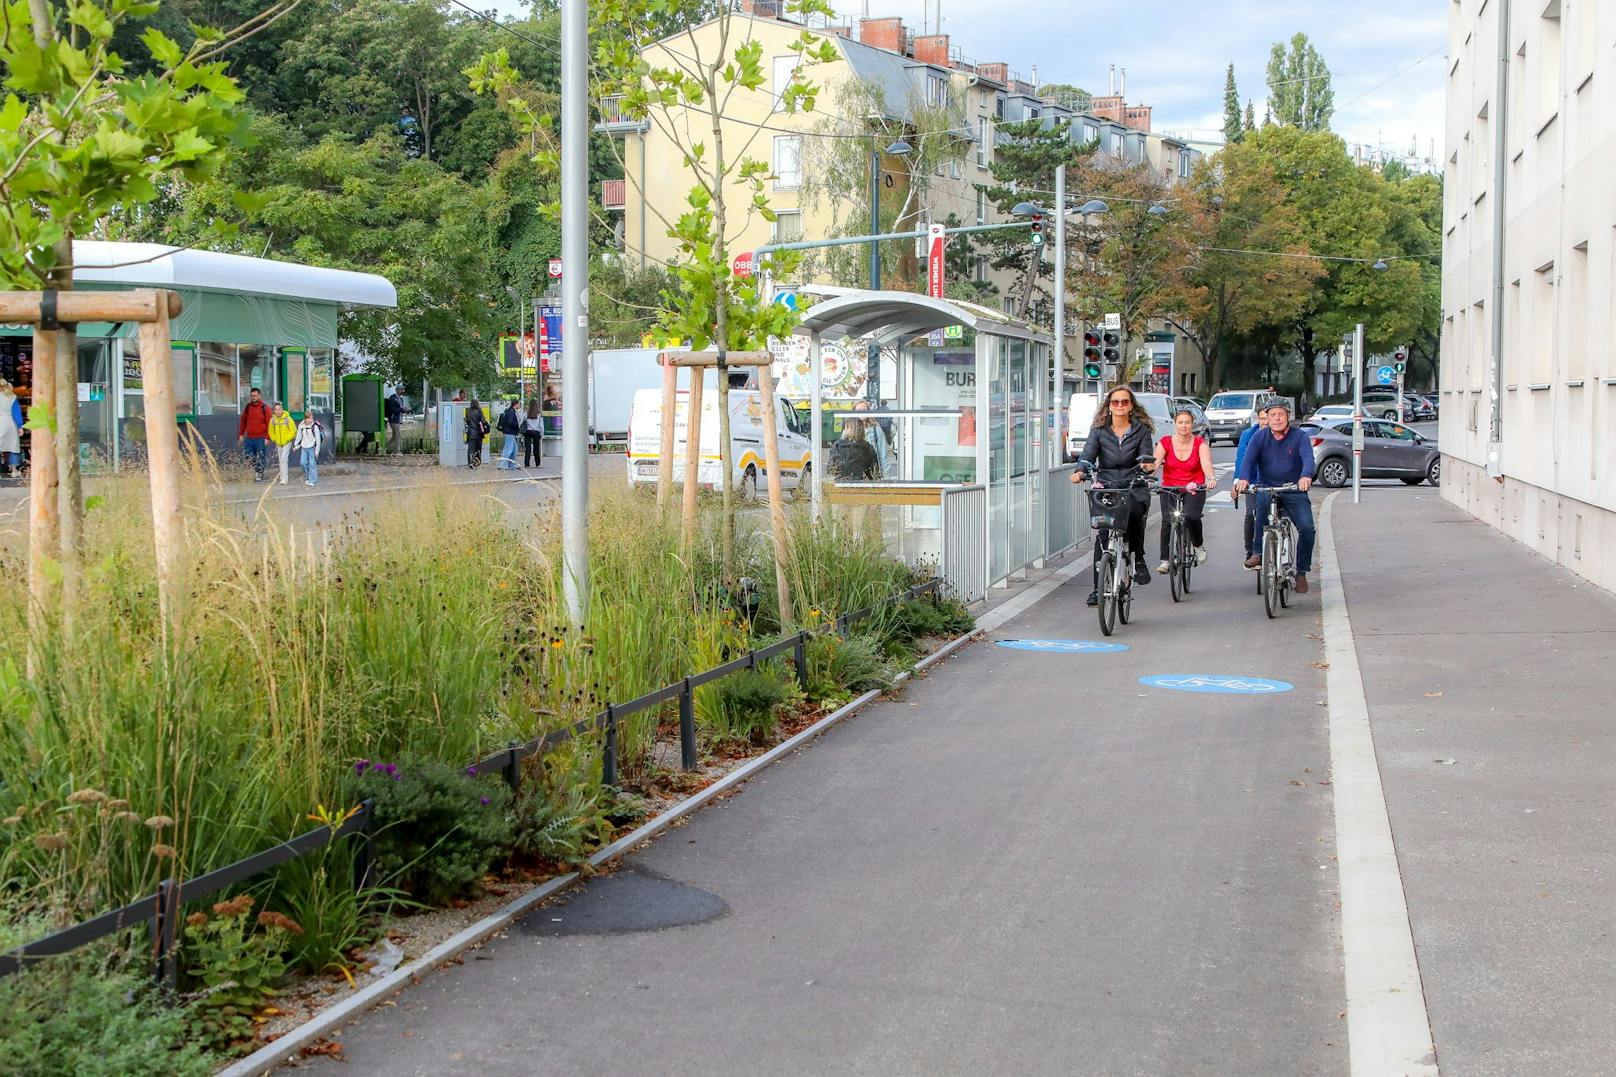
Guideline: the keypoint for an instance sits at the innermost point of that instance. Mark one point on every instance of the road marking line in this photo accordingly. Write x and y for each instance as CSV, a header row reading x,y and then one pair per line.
x,y
1388,1029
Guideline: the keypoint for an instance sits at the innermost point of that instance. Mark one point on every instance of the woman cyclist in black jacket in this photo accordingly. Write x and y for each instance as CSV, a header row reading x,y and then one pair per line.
x,y
1120,446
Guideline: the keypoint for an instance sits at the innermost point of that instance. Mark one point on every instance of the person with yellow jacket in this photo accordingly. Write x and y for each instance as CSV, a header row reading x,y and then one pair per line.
x,y
282,429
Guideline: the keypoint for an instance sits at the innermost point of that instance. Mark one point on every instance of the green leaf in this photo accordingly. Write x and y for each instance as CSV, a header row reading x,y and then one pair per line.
x,y
94,501
163,48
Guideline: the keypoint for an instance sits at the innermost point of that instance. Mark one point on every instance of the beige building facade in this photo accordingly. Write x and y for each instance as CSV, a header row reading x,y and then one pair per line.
x,y
1528,371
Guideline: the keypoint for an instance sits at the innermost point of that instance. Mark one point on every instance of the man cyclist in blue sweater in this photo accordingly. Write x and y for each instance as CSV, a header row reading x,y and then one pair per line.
x,y
1281,455
1251,532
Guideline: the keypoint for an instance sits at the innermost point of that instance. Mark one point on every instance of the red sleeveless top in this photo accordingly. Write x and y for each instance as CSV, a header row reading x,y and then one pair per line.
x,y
1176,472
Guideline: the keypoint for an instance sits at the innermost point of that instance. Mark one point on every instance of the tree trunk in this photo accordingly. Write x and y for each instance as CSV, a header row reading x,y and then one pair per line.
x,y
721,298
44,534
1309,359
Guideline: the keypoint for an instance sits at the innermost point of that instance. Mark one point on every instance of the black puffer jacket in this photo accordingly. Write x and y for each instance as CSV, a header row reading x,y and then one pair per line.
x,y
1115,460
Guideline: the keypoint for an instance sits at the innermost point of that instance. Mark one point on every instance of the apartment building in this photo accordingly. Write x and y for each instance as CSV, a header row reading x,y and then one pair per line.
x,y
1528,372
901,73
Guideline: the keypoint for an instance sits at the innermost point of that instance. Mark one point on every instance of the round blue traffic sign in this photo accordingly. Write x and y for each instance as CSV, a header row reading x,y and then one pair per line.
x,y
1223,683
1063,646
1386,375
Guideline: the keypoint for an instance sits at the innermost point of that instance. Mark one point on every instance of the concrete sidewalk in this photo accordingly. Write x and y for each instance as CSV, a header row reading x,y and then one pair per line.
x,y
1490,678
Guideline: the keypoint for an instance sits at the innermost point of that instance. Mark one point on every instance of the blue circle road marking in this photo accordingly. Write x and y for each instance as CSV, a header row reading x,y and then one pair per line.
x,y
1063,646
1216,682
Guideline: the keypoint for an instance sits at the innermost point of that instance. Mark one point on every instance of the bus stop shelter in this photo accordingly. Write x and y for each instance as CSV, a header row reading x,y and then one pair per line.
x,y
958,399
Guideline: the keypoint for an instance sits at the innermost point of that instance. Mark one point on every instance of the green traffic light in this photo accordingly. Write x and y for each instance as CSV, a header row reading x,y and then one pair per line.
x,y
1091,370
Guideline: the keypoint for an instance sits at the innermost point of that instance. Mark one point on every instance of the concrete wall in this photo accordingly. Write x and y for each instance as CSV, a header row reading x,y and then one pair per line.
x,y
1556,487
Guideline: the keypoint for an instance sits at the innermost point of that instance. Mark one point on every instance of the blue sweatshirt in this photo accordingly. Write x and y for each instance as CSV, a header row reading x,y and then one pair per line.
x,y
1240,451
1277,461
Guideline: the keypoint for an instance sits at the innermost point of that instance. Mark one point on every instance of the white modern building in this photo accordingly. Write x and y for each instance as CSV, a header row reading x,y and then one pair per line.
x,y
1528,375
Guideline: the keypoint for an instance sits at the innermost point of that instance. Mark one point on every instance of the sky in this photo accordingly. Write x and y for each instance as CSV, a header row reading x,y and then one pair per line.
x,y
1176,52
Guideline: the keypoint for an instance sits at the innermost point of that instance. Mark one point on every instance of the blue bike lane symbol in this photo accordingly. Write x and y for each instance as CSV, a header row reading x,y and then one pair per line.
x,y
1063,646
1221,683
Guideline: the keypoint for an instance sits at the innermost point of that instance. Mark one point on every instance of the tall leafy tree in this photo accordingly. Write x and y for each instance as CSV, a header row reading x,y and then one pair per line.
x,y
1232,129
1249,123
1299,92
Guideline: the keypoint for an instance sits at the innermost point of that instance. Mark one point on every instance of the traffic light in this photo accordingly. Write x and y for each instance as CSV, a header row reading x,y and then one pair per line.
x,y
1111,353
1091,354
1037,229
1400,362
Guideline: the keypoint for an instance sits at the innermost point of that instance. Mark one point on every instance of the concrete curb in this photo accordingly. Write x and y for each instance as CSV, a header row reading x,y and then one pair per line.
x,y
1388,1028
285,1049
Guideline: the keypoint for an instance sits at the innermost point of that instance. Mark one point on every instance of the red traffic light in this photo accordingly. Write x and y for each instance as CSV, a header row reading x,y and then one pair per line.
x,y
1091,338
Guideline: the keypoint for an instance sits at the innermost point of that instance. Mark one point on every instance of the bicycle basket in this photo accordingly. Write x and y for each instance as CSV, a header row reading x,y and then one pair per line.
x,y
1108,508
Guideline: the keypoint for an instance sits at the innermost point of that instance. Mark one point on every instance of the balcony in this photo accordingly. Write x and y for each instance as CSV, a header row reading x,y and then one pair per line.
x,y
613,194
613,121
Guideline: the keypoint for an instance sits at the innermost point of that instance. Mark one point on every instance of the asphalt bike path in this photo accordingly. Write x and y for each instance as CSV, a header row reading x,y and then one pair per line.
x,y
1028,862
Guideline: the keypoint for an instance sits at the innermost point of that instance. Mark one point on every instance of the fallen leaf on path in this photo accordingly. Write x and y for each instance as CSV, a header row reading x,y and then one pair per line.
x,y
1445,762
1295,782
1432,695
1319,665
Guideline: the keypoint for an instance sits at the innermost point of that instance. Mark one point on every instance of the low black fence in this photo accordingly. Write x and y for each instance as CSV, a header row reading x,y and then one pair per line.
x,y
160,912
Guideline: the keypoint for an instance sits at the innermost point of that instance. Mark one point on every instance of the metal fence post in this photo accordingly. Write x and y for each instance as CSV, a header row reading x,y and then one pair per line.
x,y
365,861
608,761
513,768
687,727
800,656
164,968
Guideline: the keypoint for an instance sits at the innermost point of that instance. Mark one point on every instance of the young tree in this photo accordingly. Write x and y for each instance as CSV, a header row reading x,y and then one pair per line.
x,y
684,86
1249,124
1232,130
1299,93
79,138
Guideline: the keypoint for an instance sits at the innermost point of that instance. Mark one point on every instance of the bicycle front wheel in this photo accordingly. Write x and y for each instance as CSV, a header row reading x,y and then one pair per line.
x,y
1175,559
1108,593
1287,568
1269,573
1124,590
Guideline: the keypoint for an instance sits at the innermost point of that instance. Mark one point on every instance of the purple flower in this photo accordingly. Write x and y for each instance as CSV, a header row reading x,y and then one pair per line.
x,y
390,769
471,771
485,800
359,767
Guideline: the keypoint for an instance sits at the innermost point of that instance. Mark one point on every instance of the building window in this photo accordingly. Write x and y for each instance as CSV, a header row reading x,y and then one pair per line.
x,y
1033,113
955,168
784,68
1576,364
1091,132
216,385
982,129
1548,65
1543,324
936,91
981,207
998,107
979,268
787,162
787,226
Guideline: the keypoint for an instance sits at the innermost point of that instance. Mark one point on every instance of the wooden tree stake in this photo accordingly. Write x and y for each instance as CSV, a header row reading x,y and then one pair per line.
x,y
163,460
777,506
670,403
692,458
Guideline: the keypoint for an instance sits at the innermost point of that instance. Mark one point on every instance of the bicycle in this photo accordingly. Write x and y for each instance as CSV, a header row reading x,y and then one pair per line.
x,y
1180,557
1277,574
1109,508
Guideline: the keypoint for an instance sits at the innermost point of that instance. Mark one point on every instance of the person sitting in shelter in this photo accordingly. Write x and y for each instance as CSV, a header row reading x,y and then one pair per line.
x,y
852,459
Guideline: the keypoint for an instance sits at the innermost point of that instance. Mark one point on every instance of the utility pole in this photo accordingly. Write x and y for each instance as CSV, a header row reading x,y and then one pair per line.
x,y
575,309
1059,374
1357,412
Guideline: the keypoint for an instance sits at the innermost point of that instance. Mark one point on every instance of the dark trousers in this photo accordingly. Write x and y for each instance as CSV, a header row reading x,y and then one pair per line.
x,y
1133,531
1251,525
1296,505
532,449
1194,507
474,449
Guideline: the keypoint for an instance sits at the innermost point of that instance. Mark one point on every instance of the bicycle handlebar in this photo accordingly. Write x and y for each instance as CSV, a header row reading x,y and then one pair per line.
x,y
1272,489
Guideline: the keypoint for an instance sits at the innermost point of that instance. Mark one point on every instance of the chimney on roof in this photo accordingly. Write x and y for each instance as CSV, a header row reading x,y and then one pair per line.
x,y
932,49
1113,87
1035,75
1122,85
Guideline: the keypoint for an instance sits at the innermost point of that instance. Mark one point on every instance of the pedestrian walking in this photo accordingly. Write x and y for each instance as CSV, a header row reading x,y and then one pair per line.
x,y
395,409
11,421
282,432
476,430
533,436
510,424
310,439
252,432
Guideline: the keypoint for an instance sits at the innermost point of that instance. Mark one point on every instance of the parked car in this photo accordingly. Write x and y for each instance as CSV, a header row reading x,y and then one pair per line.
x,y
1391,451
1331,413
1383,404
1229,413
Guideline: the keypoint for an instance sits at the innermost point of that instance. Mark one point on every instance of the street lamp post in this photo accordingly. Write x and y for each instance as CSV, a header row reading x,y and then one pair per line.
x,y
900,148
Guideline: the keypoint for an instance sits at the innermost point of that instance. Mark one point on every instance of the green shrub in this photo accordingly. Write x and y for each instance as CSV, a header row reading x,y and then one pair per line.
x,y
747,705
82,1015
560,813
317,892
238,969
907,622
840,668
437,827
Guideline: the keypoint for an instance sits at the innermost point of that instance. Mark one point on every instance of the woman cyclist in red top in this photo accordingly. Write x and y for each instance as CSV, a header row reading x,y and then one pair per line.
x,y
1183,459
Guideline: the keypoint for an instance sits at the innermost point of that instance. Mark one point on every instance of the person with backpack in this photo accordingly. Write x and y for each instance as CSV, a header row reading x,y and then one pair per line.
x,y
510,424
395,423
476,430
533,436
282,432
310,439
852,459
252,432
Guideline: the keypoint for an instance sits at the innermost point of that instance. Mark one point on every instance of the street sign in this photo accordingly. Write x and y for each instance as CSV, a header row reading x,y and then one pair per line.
x,y
1386,376
1220,683
555,269
935,238
1063,646
745,264
1113,322
1357,436
786,299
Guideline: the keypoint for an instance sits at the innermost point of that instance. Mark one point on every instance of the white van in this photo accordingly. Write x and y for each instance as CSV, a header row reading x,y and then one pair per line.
x,y
1081,411
1229,413
750,476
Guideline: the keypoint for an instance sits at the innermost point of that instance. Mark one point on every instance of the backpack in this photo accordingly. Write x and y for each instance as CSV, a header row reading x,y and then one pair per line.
x,y
851,460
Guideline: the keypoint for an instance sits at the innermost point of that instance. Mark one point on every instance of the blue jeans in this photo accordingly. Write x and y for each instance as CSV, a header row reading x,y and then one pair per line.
x,y
1296,505
311,467
507,454
255,448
